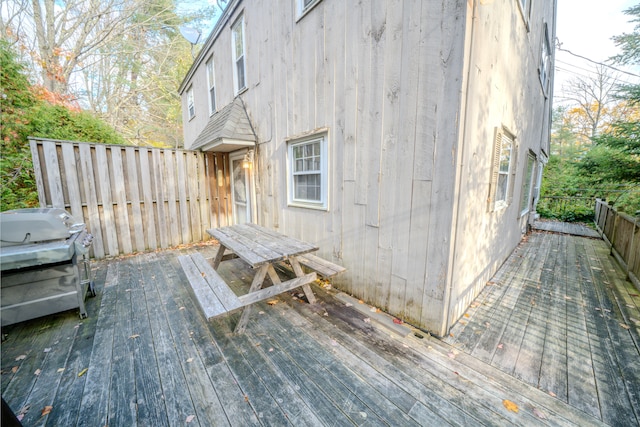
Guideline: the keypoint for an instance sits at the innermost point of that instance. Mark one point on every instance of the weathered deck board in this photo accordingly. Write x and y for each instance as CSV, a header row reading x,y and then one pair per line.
x,y
152,357
575,343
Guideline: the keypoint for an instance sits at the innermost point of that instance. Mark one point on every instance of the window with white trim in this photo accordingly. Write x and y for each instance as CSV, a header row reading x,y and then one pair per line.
x,y
238,51
191,108
308,176
527,184
502,170
211,84
305,5
545,60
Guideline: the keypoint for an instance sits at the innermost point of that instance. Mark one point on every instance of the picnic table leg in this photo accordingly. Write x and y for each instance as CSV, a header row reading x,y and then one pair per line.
x,y
218,259
255,285
299,273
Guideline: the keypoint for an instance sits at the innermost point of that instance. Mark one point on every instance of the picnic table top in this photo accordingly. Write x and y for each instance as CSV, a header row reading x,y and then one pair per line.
x,y
258,245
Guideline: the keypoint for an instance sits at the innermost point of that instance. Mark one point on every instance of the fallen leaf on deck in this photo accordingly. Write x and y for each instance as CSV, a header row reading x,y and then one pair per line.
x,y
14,369
84,371
246,398
366,320
598,308
360,301
60,370
552,394
272,302
46,410
21,357
397,321
510,406
261,312
190,418
567,297
271,349
451,335
181,308
47,350
487,324
373,310
37,372
633,295
466,315
624,326
203,275
349,304
134,336
451,355
538,413
500,345
189,360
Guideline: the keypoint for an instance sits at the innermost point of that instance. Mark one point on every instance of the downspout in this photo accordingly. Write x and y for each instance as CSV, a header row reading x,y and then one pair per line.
x,y
457,195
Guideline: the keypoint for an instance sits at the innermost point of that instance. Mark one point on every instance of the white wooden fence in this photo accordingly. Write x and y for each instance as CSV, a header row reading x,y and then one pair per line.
x,y
134,199
622,233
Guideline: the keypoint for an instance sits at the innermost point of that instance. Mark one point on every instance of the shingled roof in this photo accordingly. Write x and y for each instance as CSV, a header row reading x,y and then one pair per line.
x,y
228,129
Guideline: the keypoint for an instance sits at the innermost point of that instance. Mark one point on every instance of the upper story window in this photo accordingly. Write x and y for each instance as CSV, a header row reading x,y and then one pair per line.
x,y
304,6
502,170
191,108
308,175
211,83
545,60
237,41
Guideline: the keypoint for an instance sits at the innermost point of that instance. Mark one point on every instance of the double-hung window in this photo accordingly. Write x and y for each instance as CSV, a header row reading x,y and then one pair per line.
x,y
502,170
191,108
545,60
308,176
211,83
237,41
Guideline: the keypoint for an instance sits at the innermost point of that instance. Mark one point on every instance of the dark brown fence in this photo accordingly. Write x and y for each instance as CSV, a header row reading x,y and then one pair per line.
x,y
133,198
622,233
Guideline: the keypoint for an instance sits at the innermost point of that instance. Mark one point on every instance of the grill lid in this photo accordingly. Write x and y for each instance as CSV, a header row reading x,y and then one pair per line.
x,y
32,225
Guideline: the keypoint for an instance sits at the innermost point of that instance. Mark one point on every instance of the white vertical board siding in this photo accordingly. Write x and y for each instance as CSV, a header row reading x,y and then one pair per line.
x,y
372,74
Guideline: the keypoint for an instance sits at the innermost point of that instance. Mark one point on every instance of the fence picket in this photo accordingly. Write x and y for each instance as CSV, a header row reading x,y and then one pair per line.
x,y
131,198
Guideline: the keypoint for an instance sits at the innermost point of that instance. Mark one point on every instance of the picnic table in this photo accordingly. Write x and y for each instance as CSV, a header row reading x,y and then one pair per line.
x,y
262,249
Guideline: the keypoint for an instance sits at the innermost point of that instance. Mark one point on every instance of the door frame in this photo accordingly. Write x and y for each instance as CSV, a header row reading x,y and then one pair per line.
x,y
249,183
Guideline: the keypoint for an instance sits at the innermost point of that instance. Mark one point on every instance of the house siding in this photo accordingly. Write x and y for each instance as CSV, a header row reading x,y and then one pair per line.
x,y
386,80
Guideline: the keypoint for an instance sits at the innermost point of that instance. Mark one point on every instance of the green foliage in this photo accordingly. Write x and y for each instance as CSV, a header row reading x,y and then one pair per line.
x,y
58,122
610,167
23,115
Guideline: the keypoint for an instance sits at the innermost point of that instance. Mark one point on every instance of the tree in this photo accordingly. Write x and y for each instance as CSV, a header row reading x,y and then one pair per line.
x,y
117,57
34,111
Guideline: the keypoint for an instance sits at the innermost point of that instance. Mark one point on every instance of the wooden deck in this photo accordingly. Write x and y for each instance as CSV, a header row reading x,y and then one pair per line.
x,y
560,316
146,356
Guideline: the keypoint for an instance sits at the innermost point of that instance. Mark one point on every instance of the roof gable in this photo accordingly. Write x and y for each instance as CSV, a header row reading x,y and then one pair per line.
x,y
227,130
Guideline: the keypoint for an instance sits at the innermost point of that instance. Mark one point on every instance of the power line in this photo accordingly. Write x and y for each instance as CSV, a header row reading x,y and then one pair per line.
x,y
591,60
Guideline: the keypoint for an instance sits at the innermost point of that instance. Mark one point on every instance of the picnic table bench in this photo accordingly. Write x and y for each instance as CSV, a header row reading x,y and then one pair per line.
x,y
261,248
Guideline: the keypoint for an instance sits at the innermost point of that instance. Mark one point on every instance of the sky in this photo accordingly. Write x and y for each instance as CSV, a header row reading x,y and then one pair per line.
x,y
585,27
